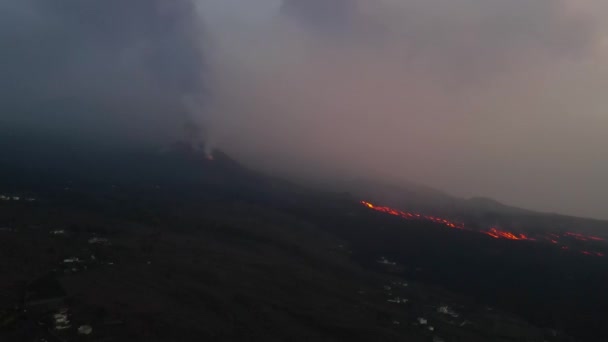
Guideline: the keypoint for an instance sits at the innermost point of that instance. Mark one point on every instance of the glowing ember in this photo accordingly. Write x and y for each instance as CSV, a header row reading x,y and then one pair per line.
x,y
582,237
414,216
498,234
493,232
598,254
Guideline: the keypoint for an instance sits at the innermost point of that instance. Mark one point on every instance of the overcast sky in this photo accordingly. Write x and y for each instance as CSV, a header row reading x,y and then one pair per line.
x,y
497,98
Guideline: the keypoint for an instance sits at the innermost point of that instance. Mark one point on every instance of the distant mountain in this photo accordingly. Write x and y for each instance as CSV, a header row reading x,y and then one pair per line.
x,y
489,204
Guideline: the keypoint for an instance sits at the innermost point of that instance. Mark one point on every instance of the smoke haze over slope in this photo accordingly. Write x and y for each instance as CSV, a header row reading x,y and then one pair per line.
x,y
476,97
489,98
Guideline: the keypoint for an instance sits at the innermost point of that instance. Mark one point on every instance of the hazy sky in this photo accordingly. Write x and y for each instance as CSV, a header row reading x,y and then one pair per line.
x,y
497,98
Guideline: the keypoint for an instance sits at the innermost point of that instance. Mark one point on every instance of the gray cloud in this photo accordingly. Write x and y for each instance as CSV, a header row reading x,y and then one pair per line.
x,y
463,38
474,97
330,14
124,65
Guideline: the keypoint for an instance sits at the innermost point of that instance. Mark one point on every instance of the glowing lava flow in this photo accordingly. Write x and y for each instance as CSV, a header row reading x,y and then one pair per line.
x,y
498,234
582,237
413,216
493,231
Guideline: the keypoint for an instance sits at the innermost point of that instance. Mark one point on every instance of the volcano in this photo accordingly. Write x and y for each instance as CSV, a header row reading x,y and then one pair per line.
x,y
187,236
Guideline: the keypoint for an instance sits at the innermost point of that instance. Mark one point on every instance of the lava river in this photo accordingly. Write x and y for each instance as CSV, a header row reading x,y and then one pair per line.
x,y
495,232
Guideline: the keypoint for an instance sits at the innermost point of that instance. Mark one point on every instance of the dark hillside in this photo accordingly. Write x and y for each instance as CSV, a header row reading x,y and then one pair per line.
x,y
173,245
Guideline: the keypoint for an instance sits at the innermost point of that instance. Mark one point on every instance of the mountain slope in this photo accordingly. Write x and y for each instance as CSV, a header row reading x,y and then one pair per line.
x,y
189,248
476,210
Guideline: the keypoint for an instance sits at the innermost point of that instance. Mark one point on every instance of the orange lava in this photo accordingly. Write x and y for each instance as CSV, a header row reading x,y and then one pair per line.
x,y
499,234
493,232
414,216
582,237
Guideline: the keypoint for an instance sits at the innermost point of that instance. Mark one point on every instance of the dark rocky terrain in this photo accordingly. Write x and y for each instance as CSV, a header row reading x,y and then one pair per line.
x,y
173,246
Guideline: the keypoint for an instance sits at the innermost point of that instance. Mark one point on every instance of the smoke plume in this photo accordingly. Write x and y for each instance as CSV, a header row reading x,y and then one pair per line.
x,y
496,98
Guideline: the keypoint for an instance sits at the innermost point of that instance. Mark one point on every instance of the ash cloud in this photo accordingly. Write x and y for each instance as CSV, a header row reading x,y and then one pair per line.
x,y
103,69
494,98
